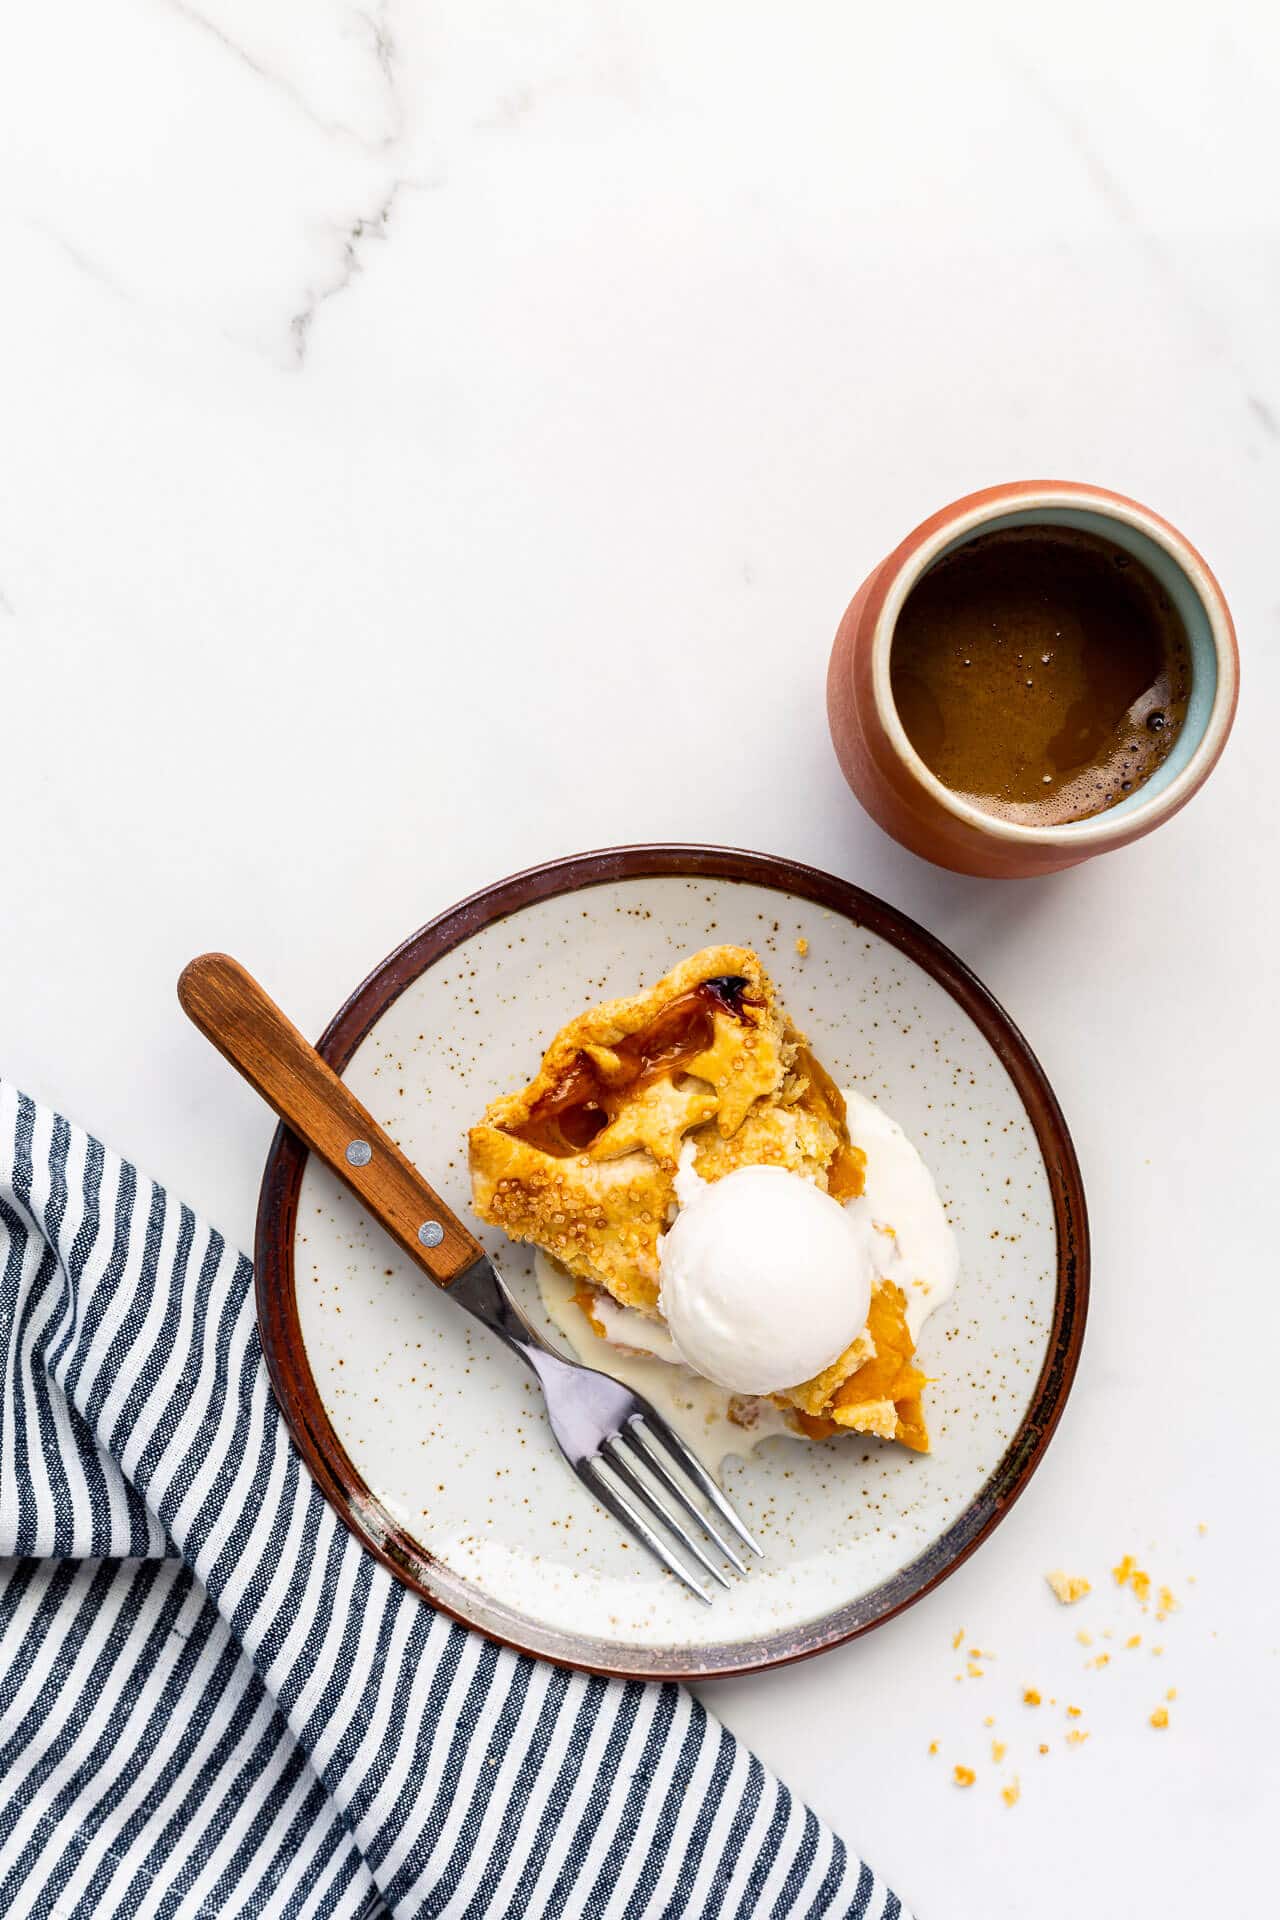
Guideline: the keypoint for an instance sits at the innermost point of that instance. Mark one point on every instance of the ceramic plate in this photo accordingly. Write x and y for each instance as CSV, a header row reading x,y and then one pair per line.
x,y
429,1437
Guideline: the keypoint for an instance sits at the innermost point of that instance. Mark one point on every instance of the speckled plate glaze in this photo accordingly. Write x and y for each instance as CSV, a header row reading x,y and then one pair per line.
x,y
429,1438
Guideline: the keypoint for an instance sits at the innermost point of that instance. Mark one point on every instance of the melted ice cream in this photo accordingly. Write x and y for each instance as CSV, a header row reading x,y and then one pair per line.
x,y
912,1244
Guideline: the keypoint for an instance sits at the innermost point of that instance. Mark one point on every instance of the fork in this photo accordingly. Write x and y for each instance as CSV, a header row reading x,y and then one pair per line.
x,y
623,1451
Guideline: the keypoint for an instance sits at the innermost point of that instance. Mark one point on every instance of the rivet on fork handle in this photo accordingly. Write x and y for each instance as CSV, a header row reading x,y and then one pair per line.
x,y
606,1432
248,1028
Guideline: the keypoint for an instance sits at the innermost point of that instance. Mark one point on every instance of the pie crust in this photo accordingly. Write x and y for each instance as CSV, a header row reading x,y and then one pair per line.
x,y
582,1161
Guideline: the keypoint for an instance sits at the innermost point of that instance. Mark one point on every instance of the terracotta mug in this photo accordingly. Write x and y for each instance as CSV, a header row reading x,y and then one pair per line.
x,y
893,782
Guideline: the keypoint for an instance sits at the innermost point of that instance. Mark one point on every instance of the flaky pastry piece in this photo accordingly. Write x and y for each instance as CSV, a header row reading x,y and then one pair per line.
x,y
582,1161
874,1387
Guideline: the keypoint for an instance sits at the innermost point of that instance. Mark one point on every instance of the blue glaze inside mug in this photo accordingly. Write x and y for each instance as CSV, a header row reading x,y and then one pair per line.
x,y
1191,610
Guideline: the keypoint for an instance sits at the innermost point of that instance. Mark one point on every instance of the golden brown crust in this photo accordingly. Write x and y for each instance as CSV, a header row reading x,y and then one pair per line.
x,y
747,1060
745,1090
815,1396
600,1220
747,1098
879,1394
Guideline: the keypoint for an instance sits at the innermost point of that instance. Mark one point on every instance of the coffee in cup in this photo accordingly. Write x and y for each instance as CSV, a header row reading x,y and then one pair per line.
x,y
1042,673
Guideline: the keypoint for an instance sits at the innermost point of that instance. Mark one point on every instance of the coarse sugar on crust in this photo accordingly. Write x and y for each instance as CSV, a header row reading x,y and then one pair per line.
x,y
582,1161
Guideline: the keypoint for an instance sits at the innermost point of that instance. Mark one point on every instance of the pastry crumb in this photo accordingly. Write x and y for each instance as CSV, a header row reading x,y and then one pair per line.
x,y
1076,1737
975,1672
1044,1746
802,946
1085,1639
1030,1698
957,1638
1129,1574
1134,1640
963,1776
1073,1713
1068,1587
999,1748
1202,1528
933,1746
990,1720
1160,1718
1172,1694
1103,1660
1011,1794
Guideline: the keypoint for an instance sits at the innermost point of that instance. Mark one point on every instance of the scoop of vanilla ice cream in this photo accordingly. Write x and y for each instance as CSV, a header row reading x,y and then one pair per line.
x,y
765,1279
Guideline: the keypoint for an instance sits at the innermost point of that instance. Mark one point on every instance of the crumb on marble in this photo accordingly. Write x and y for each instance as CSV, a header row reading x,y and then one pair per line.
x,y
1129,1574
963,1776
1068,1587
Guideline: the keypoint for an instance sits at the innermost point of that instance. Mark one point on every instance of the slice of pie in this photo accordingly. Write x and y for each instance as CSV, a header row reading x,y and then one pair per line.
x,y
582,1161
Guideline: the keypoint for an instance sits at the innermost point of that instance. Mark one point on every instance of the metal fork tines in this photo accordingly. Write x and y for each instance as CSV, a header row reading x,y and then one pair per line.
x,y
639,1455
617,1444
620,1447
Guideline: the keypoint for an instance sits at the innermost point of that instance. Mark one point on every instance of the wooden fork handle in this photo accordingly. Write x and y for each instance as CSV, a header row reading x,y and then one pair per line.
x,y
247,1026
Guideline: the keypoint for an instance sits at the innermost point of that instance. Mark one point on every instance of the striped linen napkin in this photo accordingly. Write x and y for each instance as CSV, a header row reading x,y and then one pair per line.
x,y
214,1702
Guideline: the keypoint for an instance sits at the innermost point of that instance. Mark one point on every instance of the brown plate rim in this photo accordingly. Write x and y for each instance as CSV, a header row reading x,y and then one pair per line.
x,y
358,1507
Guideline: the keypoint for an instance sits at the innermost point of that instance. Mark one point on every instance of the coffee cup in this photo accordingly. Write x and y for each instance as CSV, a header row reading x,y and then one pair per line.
x,y
889,775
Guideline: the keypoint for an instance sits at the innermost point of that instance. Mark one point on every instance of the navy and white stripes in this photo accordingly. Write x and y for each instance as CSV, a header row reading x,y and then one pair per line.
x,y
213,1702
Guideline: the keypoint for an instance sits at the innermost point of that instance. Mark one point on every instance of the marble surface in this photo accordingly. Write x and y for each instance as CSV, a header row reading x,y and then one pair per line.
x,y
438,437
